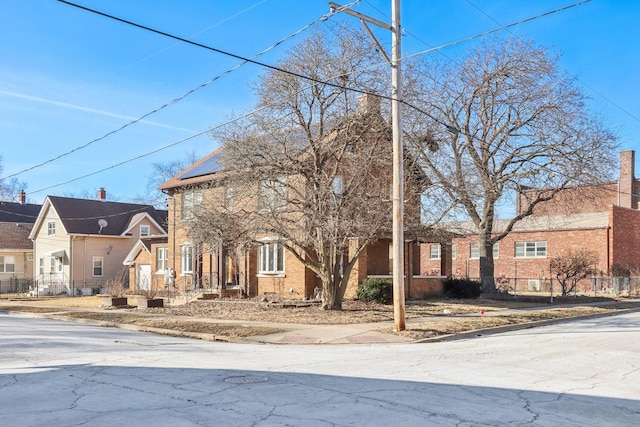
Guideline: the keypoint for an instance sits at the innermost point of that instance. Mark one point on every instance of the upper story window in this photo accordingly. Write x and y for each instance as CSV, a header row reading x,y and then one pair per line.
x,y
51,228
98,266
454,251
531,249
271,258
7,264
161,259
496,250
191,200
145,230
435,251
228,199
273,194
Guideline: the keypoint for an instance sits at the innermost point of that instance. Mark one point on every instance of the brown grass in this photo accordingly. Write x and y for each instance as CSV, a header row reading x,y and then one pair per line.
x,y
424,319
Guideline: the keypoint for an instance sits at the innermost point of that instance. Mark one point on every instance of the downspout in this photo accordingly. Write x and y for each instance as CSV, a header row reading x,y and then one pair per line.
x,y
84,261
71,259
608,250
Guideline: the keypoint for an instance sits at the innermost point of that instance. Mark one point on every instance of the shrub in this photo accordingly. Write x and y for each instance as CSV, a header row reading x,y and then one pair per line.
x,y
462,288
378,290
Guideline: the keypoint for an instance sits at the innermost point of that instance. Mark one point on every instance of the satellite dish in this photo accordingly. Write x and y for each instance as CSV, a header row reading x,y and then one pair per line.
x,y
102,223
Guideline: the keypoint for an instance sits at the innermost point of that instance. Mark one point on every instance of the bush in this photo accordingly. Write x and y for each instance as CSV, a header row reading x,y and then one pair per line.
x,y
378,290
462,288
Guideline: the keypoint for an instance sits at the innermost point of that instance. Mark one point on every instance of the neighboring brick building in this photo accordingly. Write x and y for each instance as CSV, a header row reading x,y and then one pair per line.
x,y
604,219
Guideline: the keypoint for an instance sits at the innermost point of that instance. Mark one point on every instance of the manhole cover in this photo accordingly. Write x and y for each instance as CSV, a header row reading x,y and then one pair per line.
x,y
246,379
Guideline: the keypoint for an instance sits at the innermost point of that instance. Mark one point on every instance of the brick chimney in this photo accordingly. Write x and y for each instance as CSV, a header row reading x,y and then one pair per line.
x,y
368,103
22,196
102,194
626,197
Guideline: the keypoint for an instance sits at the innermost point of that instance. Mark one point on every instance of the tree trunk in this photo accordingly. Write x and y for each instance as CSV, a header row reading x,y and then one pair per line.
x,y
331,296
485,248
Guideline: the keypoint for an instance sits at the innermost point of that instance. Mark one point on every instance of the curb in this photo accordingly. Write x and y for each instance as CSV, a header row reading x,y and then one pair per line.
x,y
478,333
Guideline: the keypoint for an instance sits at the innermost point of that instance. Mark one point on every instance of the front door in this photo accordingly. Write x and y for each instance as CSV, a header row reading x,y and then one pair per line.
x,y
143,278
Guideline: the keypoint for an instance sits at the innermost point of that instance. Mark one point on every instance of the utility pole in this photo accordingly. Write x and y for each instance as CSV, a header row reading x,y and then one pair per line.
x,y
399,323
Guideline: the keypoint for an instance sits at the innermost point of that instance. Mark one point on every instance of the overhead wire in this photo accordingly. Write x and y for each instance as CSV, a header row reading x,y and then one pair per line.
x,y
163,106
251,60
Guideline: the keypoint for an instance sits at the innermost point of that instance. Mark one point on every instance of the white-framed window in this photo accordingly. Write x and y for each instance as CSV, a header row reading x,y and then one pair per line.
x,y
435,251
474,251
41,265
271,258
273,194
454,251
51,228
191,200
186,259
53,265
98,266
531,249
228,199
145,230
161,259
29,256
7,264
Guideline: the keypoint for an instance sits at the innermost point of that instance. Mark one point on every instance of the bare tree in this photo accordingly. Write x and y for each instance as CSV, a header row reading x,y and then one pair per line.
x,y
505,117
312,166
573,267
162,172
10,188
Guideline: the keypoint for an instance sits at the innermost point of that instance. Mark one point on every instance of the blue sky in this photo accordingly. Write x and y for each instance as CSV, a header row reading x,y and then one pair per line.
x,y
68,77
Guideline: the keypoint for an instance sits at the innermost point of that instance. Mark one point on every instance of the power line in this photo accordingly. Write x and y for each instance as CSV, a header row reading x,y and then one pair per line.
x,y
575,77
172,102
250,60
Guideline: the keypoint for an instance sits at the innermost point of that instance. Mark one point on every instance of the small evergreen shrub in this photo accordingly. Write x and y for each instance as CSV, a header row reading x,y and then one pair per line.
x,y
377,290
462,289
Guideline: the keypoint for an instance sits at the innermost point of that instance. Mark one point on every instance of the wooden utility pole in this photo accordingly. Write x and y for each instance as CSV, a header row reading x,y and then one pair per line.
x,y
399,323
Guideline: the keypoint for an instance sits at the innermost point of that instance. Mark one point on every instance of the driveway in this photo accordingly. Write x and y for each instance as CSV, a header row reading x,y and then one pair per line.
x,y
583,373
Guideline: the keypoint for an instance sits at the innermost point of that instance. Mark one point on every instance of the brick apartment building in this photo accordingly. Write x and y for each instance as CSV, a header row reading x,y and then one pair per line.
x,y
604,219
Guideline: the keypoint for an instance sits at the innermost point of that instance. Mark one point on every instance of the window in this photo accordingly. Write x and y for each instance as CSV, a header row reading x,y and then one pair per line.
x,y
98,266
531,249
454,251
145,230
271,258
186,259
7,264
52,265
273,194
191,200
29,256
51,228
228,199
435,251
161,259
475,250
41,265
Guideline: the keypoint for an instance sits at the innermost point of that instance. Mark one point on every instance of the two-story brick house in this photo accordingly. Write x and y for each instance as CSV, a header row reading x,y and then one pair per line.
x,y
604,219
267,268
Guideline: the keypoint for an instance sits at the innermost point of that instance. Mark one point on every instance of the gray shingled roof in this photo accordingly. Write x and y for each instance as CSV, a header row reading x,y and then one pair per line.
x,y
81,216
17,212
15,235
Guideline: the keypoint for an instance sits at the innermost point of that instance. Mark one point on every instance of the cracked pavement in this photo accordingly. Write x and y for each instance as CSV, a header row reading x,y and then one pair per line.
x,y
582,373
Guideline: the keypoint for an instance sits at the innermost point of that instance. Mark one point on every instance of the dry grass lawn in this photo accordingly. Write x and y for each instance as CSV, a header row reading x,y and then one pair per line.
x,y
424,319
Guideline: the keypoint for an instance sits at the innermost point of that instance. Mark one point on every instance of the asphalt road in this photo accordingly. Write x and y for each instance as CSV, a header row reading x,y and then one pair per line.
x,y
582,373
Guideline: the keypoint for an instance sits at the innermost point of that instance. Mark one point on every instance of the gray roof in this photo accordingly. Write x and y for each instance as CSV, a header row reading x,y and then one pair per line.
x,y
17,212
81,216
15,235
591,220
